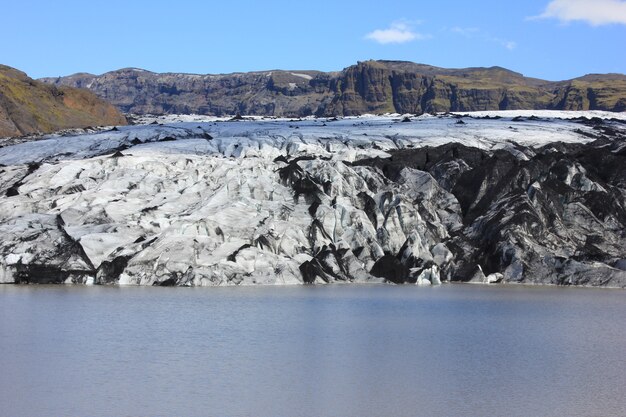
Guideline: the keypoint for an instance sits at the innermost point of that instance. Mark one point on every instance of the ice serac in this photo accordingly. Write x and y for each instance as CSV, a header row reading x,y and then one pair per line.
x,y
501,197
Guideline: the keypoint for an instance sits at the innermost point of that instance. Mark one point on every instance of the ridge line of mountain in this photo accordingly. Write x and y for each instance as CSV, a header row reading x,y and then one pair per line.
x,y
265,71
367,87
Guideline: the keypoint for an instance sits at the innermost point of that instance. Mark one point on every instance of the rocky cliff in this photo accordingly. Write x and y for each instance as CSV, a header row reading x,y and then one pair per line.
x,y
28,106
504,198
368,87
260,93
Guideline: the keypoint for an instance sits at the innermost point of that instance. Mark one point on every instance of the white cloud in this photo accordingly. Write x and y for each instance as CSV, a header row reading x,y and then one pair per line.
x,y
398,32
594,12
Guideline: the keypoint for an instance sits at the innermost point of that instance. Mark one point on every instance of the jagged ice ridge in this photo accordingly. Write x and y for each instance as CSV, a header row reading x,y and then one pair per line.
x,y
489,197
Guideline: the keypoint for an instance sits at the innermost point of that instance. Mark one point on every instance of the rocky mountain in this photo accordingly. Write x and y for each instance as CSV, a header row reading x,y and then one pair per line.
x,y
368,87
28,106
497,198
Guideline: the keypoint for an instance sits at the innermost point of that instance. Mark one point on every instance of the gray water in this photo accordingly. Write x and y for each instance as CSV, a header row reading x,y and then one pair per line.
x,y
453,350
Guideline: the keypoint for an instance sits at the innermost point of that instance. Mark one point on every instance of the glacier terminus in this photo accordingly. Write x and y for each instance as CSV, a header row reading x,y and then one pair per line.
x,y
536,197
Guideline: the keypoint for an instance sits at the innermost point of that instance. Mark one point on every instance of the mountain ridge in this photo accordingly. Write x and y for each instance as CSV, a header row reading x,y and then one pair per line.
x,y
367,87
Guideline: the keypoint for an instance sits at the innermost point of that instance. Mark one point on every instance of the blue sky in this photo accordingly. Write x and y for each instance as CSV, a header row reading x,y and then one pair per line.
x,y
550,39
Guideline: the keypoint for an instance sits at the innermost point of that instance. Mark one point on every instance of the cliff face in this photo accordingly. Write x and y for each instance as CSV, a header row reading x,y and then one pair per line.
x,y
606,92
28,106
368,87
264,93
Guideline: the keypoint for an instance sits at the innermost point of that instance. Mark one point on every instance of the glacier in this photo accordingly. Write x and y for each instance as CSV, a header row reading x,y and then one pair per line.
x,y
490,197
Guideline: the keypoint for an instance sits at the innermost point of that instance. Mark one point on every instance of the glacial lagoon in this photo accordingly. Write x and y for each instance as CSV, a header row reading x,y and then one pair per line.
x,y
338,350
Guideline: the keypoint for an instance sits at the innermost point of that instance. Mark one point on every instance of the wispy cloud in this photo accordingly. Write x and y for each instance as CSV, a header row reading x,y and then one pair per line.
x,y
595,13
477,33
397,32
510,45
467,32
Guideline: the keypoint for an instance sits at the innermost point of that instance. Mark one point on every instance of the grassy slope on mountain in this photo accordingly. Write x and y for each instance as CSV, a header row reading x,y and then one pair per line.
x,y
28,106
594,91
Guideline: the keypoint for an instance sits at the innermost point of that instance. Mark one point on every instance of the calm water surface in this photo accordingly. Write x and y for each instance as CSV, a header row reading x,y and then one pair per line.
x,y
453,350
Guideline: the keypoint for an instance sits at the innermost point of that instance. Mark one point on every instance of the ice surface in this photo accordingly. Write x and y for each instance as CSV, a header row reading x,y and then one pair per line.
x,y
207,201
348,138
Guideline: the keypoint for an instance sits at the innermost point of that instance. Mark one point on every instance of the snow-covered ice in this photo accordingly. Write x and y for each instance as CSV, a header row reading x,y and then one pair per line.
x,y
350,137
195,200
